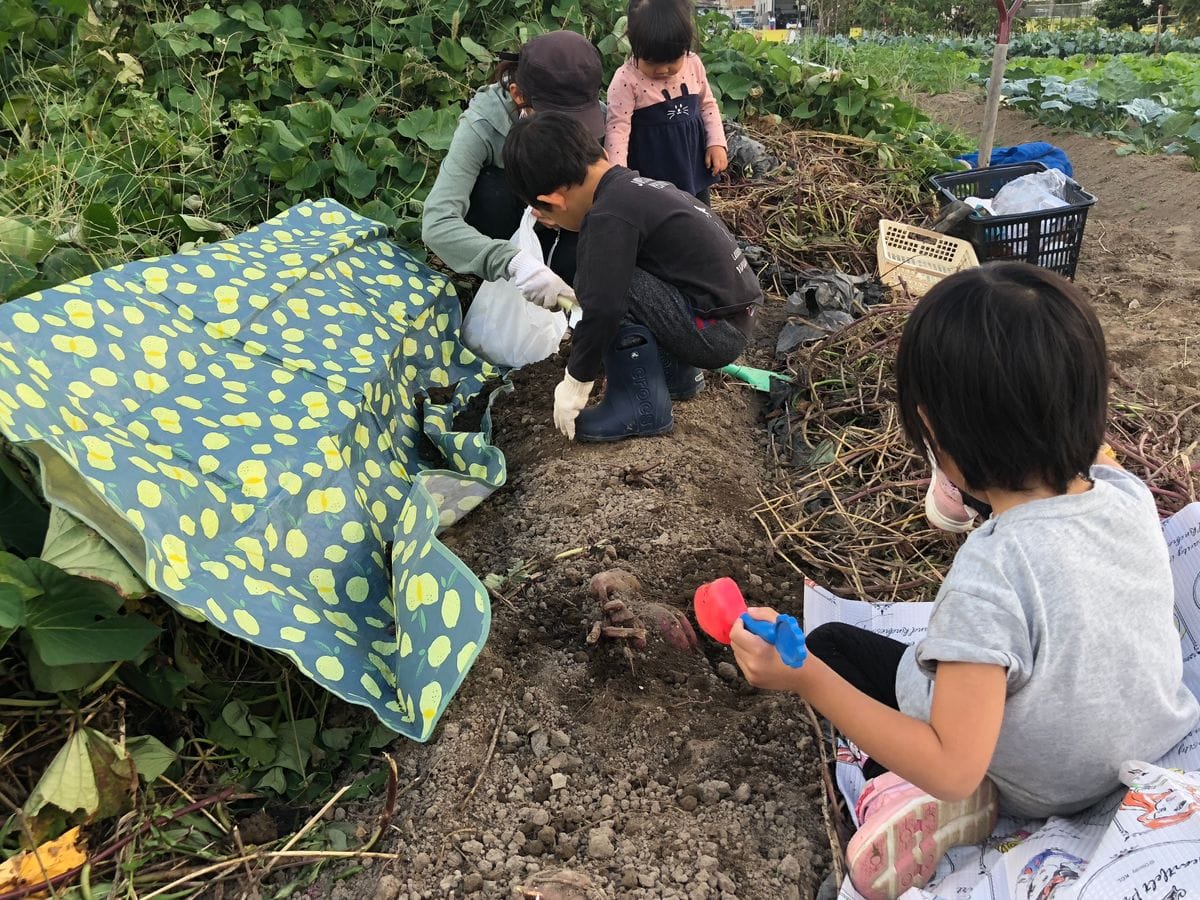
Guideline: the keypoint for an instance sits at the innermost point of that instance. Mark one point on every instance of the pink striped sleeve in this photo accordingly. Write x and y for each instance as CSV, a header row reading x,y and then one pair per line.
x,y
621,100
710,112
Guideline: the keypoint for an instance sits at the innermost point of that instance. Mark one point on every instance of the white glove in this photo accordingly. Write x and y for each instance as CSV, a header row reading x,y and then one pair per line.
x,y
570,397
537,283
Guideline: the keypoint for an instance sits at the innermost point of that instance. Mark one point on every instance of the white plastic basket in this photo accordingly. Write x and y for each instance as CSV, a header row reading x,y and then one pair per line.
x,y
914,259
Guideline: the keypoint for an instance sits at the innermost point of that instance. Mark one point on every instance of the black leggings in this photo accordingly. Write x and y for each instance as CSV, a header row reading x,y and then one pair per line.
x,y
496,212
865,659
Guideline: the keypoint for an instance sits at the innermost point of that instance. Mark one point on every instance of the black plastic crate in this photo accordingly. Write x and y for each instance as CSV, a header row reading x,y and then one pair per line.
x,y
1050,238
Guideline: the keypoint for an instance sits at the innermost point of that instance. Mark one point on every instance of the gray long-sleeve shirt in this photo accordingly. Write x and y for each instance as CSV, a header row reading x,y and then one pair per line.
x,y
478,142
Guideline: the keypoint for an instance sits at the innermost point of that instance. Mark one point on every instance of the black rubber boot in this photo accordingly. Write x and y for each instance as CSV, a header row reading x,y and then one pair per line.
x,y
636,402
683,381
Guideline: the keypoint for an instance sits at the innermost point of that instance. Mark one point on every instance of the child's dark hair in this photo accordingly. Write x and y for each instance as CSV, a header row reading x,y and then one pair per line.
x,y
660,31
1007,363
545,152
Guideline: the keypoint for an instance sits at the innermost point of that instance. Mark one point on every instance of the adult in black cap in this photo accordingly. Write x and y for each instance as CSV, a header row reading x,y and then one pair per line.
x,y
471,212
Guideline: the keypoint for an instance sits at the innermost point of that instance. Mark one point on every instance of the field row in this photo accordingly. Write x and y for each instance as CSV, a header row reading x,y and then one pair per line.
x,y
1110,83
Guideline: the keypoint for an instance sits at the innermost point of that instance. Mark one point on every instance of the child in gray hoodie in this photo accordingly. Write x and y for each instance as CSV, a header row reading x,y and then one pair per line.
x,y
471,212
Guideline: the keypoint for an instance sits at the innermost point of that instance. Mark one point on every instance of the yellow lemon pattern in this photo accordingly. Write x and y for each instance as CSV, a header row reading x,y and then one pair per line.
x,y
259,410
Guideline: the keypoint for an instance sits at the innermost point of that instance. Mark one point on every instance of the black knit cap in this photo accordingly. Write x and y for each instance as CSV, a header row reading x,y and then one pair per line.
x,y
561,72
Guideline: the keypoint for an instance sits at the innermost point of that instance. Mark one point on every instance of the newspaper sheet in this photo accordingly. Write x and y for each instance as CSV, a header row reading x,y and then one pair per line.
x,y
1141,843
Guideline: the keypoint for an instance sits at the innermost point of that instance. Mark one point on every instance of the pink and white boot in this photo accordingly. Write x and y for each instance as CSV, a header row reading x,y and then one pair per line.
x,y
904,833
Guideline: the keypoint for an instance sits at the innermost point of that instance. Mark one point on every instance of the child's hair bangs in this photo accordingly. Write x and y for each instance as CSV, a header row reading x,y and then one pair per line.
x,y
660,31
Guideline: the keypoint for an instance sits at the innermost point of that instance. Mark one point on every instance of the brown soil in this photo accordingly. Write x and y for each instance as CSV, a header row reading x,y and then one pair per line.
x,y
1141,250
659,773
677,779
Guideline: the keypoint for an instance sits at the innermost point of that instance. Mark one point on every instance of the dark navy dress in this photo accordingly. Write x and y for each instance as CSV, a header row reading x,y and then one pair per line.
x,y
667,143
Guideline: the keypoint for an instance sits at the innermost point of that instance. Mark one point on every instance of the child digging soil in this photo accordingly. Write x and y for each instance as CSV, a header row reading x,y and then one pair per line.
x,y
1052,655
664,287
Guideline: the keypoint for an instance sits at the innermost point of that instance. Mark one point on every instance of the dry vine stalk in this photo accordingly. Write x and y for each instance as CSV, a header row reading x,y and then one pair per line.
x,y
852,517
822,209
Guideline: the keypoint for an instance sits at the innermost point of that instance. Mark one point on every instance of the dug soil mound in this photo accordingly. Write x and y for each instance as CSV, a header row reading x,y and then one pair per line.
x,y
651,772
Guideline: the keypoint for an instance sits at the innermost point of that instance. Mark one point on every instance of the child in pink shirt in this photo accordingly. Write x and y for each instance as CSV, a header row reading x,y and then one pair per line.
x,y
663,120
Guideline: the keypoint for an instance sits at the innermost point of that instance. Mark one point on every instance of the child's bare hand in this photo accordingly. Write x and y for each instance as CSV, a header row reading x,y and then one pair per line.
x,y
758,660
716,159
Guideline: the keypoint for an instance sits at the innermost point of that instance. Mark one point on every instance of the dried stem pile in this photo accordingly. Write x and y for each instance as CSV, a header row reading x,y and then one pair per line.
x,y
852,516
822,209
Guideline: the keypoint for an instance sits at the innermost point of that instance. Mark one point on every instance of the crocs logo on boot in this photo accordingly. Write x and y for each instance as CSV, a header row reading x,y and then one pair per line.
x,y
642,397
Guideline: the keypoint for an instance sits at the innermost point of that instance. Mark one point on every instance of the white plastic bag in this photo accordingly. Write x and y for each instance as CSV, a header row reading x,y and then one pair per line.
x,y
1031,193
1036,192
505,328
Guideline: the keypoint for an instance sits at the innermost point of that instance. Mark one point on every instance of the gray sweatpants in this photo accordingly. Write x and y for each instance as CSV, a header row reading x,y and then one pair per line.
x,y
663,309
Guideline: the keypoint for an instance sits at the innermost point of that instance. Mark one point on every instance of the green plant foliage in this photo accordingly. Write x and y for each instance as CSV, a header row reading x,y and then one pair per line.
x,y
78,549
68,620
1086,41
755,78
901,67
90,778
1151,103
151,127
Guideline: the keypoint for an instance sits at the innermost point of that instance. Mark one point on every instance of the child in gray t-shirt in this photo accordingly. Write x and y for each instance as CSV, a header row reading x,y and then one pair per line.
x,y
1052,655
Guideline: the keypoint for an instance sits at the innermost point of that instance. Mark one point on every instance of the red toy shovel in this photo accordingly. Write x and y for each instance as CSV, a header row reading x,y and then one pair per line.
x,y
718,605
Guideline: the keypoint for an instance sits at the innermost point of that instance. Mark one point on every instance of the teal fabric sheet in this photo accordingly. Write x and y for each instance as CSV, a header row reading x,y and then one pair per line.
x,y
250,424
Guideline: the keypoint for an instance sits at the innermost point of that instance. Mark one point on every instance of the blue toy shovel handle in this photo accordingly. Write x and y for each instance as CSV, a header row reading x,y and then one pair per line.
x,y
784,634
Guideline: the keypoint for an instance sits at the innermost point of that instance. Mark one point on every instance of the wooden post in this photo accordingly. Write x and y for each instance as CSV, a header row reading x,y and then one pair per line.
x,y
991,110
1162,8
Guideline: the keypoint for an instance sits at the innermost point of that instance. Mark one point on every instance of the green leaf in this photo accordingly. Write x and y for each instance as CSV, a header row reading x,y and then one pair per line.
x,y
14,593
287,21
184,100
850,104
203,21
337,738
309,71
479,52
16,275
203,226
356,177
295,744
734,86
68,263
274,780
161,685
61,679
72,7
68,782
18,584
78,549
434,128
74,621
452,54
99,223
285,137
151,756
20,241
380,212
12,607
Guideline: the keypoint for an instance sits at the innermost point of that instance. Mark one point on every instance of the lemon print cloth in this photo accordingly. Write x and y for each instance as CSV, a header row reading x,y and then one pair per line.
x,y
264,429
